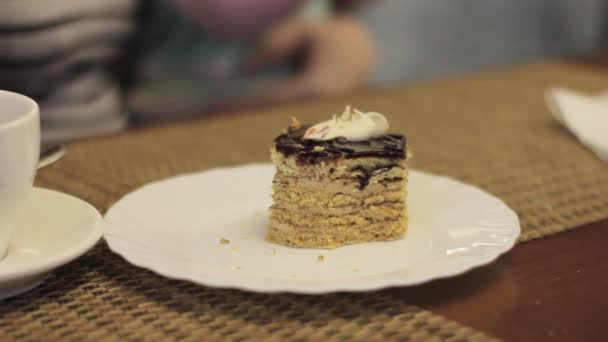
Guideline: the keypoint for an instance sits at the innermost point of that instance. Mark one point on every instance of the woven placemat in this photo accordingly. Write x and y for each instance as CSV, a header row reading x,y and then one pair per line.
x,y
492,130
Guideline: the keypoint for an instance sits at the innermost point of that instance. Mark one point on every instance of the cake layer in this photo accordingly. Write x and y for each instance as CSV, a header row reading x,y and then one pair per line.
x,y
334,169
323,200
378,210
292,235
347,186
312,220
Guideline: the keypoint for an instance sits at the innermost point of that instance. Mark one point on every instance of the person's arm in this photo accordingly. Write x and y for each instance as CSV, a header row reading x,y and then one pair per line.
x,y
338,56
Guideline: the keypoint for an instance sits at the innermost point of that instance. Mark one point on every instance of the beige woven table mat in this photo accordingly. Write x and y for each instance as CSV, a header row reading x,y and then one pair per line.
x,y
492,130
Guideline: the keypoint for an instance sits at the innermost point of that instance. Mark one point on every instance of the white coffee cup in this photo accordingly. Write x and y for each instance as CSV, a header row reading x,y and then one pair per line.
x,y
19,153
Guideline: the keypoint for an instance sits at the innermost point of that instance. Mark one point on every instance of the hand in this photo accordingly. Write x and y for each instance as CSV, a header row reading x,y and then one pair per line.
x,y
339,57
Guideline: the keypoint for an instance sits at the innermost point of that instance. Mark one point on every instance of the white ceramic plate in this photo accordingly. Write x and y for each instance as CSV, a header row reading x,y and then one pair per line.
x,y
174,228
52,229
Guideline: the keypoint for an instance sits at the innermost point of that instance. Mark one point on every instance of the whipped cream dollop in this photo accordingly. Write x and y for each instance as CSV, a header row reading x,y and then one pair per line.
x,y
352,125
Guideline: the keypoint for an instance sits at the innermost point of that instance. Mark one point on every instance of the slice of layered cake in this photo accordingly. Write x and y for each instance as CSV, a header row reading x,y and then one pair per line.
x,y
339,182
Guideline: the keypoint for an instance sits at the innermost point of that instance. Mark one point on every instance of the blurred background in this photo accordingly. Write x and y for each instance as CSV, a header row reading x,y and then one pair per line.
x,y
422,39
101,66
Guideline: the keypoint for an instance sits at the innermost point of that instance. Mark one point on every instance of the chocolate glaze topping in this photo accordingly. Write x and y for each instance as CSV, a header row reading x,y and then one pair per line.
x,y
390,146
367,174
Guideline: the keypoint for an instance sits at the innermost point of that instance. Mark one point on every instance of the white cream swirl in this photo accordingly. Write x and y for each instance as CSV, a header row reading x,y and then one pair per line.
x,y
352,125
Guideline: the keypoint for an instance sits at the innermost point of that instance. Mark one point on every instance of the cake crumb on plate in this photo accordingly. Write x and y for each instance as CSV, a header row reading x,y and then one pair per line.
x,y
224,241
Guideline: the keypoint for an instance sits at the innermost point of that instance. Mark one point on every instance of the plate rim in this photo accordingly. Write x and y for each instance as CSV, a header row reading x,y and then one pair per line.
x,y
313,289
69,254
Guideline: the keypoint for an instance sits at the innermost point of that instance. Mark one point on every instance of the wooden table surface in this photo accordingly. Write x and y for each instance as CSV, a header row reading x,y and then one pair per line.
x,y
553,289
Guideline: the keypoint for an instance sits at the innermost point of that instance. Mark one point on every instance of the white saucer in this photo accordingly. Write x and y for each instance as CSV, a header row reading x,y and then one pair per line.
x,y
175,227
52,230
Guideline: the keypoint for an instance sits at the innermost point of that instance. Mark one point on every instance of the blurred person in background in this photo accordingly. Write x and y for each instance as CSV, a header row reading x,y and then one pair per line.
x,y
173,58
242,51
59,52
